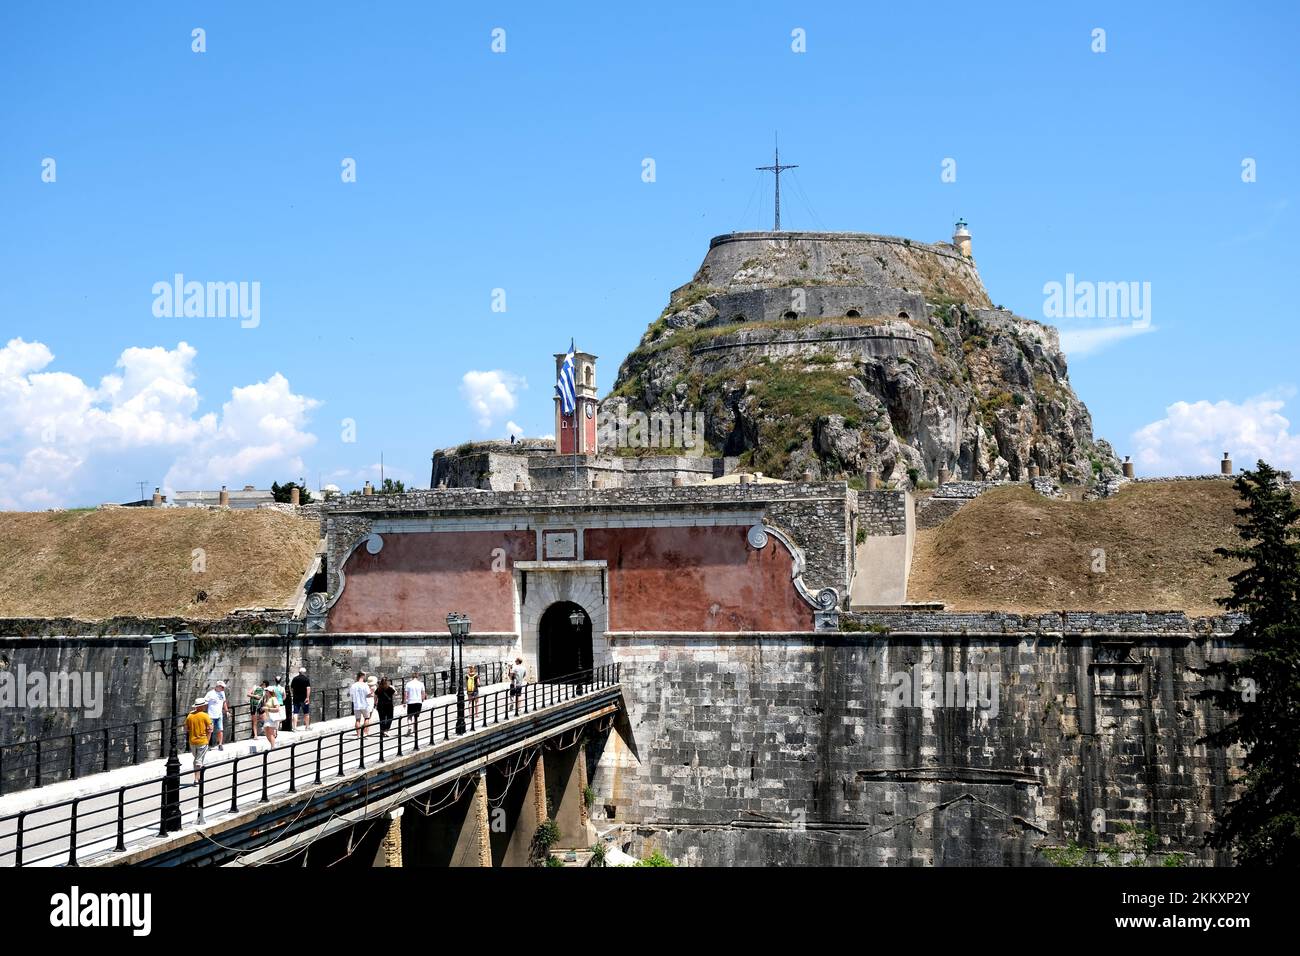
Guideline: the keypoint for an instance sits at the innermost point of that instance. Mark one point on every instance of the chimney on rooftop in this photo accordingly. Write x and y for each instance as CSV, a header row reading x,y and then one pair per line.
x,y
157,498
223,499
1225,466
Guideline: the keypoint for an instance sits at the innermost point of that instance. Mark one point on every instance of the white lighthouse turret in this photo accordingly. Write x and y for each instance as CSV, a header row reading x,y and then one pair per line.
x,y
961,237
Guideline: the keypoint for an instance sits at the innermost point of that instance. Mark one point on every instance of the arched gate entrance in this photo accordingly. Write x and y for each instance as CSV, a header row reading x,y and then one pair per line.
x,y
563,648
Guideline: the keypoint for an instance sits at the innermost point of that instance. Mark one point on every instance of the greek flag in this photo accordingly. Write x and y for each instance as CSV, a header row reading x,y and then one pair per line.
x,y
564,385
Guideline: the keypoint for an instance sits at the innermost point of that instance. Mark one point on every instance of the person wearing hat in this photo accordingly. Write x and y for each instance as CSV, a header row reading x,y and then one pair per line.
x,y
198,728
217,710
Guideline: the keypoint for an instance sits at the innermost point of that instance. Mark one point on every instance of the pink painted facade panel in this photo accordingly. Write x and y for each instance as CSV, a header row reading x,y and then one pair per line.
x,y
417,578
704,578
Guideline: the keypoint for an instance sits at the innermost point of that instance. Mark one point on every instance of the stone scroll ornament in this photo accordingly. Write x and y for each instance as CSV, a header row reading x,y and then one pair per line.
x,y
826,601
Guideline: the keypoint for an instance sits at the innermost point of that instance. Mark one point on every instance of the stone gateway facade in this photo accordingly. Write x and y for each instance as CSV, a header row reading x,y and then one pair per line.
x,y
767,723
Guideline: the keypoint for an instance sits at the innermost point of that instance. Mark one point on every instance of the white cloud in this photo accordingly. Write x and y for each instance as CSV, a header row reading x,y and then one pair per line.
x,y
491,395
1193,436
513,429
262,429
1080,343
57,429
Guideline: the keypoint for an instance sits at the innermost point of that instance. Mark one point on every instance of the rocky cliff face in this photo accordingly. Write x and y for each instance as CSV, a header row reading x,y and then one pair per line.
x,y
838,353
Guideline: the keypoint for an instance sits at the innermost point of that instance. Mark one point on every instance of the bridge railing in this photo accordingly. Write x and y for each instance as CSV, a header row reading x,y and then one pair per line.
x,y
40,761
107,821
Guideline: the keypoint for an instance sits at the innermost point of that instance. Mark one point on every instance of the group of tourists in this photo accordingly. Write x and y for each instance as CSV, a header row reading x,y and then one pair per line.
x,y
372,698
205,726
375,697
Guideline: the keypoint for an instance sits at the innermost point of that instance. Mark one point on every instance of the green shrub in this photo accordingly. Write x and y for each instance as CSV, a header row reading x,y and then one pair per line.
x,y
656,859
546,836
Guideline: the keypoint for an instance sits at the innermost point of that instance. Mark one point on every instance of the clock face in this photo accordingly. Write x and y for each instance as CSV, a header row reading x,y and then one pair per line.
x,y
589,412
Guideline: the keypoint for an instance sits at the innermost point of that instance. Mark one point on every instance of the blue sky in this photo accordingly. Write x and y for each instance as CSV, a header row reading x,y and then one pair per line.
x,y
521,171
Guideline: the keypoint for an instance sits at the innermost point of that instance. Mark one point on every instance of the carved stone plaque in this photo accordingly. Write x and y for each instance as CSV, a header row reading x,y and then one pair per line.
x,y
560,546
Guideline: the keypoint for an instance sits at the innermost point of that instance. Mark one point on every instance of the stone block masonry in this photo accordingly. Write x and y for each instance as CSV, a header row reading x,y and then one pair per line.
x,y
796,750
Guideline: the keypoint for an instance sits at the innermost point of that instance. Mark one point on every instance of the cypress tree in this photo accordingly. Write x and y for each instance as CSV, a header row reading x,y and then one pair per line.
x,y
1260,691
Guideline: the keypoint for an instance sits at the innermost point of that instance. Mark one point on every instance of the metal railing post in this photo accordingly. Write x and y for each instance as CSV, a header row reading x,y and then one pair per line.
x,y
72,833
320,742
203,779
234,785
293,767
266,756
18,843
340,753
121,821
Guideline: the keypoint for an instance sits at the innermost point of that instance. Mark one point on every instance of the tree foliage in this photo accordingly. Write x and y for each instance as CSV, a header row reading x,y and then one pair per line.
x,y
284,493
1260,691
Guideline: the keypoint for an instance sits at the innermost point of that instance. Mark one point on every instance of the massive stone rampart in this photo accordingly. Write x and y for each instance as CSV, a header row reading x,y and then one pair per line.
x,y
779,750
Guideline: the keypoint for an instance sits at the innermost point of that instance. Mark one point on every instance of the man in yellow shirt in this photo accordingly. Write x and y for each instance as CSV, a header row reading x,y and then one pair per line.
x,y
198,727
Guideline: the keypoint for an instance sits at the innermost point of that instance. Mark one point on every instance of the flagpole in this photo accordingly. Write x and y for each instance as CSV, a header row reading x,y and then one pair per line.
x,y
575,412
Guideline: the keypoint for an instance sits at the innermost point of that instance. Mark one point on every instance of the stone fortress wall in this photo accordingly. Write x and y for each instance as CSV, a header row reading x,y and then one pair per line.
x,y
1002,736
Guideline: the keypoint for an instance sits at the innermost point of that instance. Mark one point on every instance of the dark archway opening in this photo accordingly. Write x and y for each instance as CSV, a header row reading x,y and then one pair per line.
x,y
563,649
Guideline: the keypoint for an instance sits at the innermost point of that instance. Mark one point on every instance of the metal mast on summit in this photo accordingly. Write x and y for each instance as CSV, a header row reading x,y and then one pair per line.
x,y
776,167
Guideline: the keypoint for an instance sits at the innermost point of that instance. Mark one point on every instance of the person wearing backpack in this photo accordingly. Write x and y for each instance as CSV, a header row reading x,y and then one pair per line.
x,y
471,690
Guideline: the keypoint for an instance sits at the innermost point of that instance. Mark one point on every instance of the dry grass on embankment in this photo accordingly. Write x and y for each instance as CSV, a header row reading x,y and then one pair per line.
x,y
92,565
1012,549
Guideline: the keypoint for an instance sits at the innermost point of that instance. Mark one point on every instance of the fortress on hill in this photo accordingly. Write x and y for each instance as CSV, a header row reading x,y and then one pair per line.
x,y
824,355
817,521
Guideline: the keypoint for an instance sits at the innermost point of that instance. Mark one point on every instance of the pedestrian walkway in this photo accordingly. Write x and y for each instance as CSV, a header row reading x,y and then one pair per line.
x,y
92,817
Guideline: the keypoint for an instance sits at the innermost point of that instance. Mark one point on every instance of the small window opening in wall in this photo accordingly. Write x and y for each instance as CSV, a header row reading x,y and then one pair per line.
x,y
738,317
610,811
791,315
903,315
853,314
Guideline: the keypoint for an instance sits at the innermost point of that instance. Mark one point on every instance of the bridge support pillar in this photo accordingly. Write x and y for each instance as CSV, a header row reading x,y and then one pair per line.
x,y
524,803
566,783
482,837
456,833
390,847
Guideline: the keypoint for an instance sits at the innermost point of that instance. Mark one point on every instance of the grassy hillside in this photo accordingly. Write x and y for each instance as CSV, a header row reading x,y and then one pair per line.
x,y
1013,549
138,561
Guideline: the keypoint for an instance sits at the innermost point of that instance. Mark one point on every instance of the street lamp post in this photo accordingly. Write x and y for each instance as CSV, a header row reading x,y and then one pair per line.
x,y
172,654
288,630
576,617
458,626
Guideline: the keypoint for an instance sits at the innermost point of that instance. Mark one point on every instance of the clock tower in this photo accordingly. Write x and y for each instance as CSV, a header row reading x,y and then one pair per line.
x,y
576,433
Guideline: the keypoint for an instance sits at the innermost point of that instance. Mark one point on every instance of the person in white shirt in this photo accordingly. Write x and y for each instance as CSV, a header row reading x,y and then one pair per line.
x,y
360,694
217,710
415,697
271,717
518,677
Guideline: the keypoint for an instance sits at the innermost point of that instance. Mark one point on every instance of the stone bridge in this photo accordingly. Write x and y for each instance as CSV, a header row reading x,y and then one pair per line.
x,y
420,794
